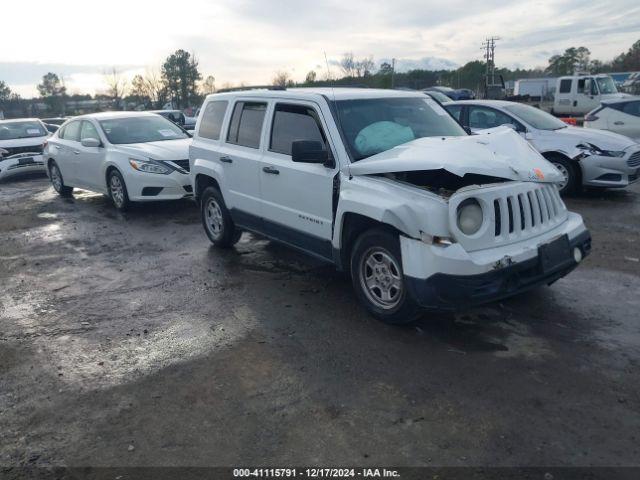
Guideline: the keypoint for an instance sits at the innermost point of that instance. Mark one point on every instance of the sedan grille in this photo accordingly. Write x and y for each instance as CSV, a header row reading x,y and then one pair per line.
x,y
29,149
634,160
183,164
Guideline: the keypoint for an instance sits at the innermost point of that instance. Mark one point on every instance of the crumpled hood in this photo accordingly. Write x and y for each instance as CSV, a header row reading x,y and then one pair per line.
x,y
600,138
163,150
498,152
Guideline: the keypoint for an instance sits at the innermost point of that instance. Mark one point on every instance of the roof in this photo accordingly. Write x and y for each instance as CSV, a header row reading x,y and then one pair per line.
x,y
112,115
490,103
315,93
14,120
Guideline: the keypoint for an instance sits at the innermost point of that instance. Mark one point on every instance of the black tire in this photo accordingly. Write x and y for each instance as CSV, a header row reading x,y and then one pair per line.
x,y
216,219
57,181
569,171
118,190
376,258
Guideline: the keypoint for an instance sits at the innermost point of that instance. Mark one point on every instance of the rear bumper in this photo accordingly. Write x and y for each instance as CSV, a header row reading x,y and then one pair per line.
x,y
453,292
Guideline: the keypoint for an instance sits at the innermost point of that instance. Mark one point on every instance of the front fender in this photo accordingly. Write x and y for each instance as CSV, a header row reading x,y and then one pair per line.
x,y
407,209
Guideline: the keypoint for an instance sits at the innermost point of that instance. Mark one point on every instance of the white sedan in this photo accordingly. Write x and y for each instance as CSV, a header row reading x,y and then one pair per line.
x,y
619,116
589,157
130,156
21,145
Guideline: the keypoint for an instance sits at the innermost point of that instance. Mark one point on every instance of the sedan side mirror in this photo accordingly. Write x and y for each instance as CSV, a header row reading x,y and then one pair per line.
x,y
309,151
91,142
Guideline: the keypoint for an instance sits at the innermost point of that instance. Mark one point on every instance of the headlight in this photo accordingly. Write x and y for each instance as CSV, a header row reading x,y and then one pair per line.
x,y
470,216
591,149
149,166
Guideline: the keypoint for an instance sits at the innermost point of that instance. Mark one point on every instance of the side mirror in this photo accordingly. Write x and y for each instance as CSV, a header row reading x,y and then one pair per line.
x,y
309,151
90,142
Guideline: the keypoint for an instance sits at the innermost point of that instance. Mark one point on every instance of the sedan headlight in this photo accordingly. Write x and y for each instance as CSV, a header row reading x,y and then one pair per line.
x,y
591,149
469,216
149,166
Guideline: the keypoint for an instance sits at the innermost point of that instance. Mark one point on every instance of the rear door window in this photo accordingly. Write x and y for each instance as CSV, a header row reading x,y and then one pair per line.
x,y
565,85
632,108
212,119
246,124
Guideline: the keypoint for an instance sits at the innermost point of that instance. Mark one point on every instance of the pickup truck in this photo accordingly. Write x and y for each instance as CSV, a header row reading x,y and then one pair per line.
x,y
388,187
579,94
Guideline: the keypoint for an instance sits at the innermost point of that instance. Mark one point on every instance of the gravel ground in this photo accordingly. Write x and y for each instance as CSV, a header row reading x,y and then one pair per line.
x,y
126,339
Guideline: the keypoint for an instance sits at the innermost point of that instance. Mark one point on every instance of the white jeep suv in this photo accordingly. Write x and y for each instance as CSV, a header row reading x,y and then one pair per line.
x,y
387,186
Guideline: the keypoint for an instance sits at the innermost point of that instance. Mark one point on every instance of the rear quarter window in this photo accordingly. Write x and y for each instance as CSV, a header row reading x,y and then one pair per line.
x,y
212,118
246,123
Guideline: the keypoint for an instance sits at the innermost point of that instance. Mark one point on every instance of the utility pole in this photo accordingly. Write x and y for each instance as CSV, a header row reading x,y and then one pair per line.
x,y
393,71
489,47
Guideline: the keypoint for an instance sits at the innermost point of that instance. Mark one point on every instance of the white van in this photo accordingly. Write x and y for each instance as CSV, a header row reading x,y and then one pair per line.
x,y
579,94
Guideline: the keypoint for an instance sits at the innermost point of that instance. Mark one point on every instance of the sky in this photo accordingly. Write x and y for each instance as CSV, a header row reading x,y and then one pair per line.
x,y
247,41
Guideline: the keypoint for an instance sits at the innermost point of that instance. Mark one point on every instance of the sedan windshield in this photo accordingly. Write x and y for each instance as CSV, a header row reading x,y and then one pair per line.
x,y
535,117
14,130
142,129
606,85
375,125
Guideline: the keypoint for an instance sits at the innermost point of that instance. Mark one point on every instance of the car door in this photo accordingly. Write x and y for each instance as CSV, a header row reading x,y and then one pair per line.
x,y
240,155
625,119
297,198
89,160
64,149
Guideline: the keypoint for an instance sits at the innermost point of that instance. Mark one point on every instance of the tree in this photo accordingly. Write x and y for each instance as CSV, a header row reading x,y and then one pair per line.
x,y
5,92
311,77
117,85
573,58
156,89
52,91
385,68
139,91
282,79
209,85
348,64
629,60
180,76
364,66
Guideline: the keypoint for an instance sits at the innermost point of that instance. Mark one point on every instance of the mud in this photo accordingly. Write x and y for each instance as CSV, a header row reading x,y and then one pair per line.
x,y
121,330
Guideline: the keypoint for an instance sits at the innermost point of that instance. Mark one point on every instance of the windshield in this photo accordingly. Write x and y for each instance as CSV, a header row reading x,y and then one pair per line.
x,y
14,130
536,117
143,129
606,85
375,125
441,97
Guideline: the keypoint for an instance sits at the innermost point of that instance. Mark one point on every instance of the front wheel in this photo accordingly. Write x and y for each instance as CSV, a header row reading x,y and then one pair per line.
x,y
378,280
57,181
118,190
569,183
216,219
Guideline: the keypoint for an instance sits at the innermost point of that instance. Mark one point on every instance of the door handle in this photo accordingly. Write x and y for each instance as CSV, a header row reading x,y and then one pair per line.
x,y
271,170
618,123
77,152
226,159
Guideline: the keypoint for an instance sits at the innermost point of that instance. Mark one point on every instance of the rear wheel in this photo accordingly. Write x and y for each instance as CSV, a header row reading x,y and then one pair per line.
x,y
118,190
57,181
216,219
378,280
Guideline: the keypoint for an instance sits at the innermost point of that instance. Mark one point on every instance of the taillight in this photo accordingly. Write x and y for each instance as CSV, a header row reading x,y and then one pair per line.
x,y
590,118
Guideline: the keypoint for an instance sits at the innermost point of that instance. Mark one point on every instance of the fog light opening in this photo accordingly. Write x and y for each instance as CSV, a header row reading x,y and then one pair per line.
x,y
577,255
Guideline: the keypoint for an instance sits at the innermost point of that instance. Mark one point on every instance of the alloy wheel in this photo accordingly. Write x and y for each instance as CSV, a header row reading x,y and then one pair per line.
x,y
117,190
381,278
213,217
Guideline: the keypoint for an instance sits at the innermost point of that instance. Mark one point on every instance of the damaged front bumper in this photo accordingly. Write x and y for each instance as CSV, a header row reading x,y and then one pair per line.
x,y
21,163
611,172
451,279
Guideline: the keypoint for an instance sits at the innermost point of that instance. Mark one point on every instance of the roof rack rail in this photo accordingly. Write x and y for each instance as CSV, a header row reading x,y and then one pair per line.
x,y
252,87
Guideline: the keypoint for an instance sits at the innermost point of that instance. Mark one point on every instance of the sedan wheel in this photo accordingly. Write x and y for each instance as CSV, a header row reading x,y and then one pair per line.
x,y
57,182
565,175
118,190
